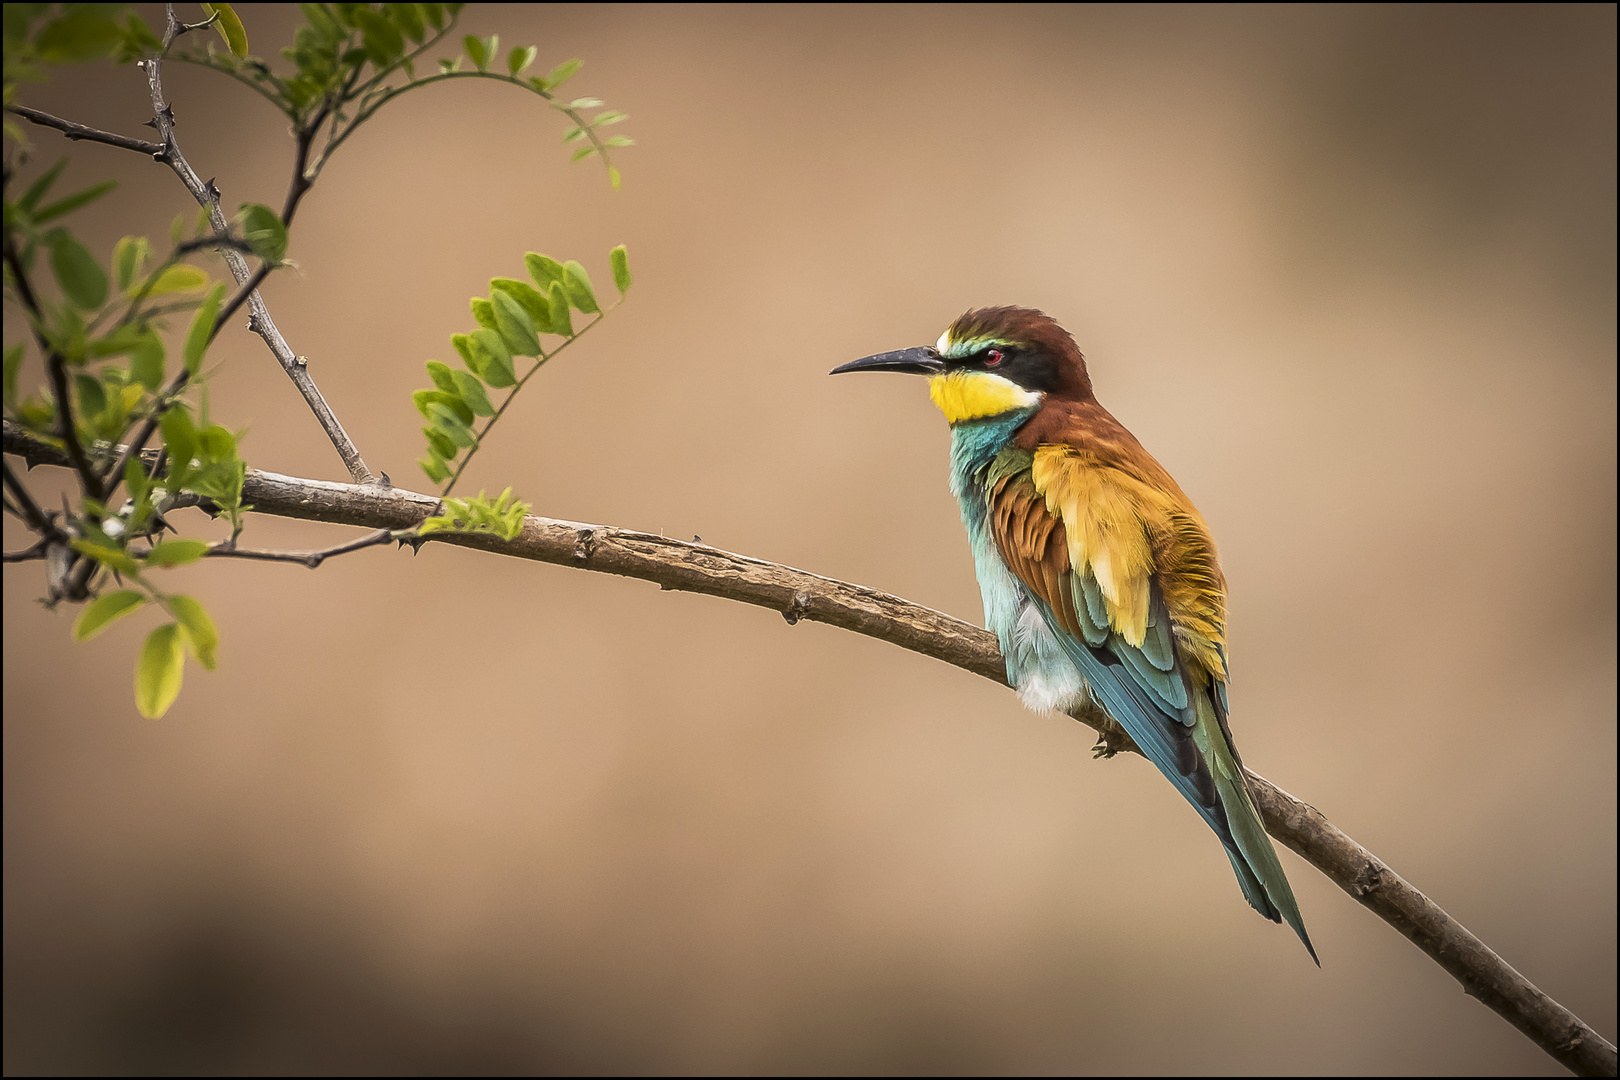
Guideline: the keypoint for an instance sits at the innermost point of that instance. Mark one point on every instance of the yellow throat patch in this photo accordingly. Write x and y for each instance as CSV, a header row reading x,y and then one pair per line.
x,y
974,395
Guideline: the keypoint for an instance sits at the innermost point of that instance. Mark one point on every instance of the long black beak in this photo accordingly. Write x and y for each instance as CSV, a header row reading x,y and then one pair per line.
x,y
923,360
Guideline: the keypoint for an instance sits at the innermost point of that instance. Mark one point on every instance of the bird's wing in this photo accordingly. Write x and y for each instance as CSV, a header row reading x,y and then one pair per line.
x,y
1102,550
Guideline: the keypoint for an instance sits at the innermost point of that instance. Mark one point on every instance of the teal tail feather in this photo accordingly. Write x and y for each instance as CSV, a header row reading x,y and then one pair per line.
x,y
1186,739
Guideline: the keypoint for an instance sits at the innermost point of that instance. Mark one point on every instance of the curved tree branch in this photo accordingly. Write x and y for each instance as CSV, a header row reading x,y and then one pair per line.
x,y
696,567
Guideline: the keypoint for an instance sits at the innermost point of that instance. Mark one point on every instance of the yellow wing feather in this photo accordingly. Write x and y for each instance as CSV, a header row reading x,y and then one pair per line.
x,y
1129,530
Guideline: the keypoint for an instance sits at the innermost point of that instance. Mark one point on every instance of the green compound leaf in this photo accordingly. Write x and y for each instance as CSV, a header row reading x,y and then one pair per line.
x,y
176,553
104,611
515,326
200,632
158,671
619,259
578,283
202,328
81,277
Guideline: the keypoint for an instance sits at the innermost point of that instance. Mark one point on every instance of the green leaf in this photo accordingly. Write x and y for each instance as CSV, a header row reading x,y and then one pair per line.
x,y
179,278
322,23
439,443
534,303
441,376
584,152
483,311
544,269
14,358
84,33
73,202
424,398
614,178
611,116
562,73
515,325
520,59
447,422
180,438
619,140
573,133
92,401
146,361
492,48
129,257
471,391
463,345
264,232
475,52
434,466
561,321
202,329
435,15
110,557
36,191
383,43
449,64
494,359
176,552
81,277
619,259
200,632
585,103
158,671
229,27
104,611
578,283
408,18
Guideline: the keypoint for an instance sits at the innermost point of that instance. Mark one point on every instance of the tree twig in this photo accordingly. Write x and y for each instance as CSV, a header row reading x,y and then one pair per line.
x,y
207,196
695,567
82,132
227,549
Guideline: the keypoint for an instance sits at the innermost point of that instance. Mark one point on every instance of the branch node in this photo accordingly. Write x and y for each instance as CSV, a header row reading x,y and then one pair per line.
x,y
798,608
584,545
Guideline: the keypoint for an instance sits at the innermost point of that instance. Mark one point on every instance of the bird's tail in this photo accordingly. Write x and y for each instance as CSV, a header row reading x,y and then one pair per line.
x,y
1253,858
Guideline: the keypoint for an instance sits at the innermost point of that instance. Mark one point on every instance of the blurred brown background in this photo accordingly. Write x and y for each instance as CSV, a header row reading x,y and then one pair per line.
x,y
1349,273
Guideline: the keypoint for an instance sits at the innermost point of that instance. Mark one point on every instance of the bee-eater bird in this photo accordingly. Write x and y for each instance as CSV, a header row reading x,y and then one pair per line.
x,y
1099,576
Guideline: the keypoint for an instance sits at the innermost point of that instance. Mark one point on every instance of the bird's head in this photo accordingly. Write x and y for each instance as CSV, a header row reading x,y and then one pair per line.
x,y
990,362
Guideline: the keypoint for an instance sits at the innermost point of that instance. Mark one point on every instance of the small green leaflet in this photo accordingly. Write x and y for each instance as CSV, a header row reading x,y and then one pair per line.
x,y
158,671
104,611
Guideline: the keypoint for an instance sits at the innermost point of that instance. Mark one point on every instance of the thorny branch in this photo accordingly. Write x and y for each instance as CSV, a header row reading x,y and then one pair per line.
x,y
207,195
78,132
797,595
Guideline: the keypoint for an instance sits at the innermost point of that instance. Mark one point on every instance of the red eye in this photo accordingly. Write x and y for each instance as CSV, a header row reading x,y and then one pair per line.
x,y
992,358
